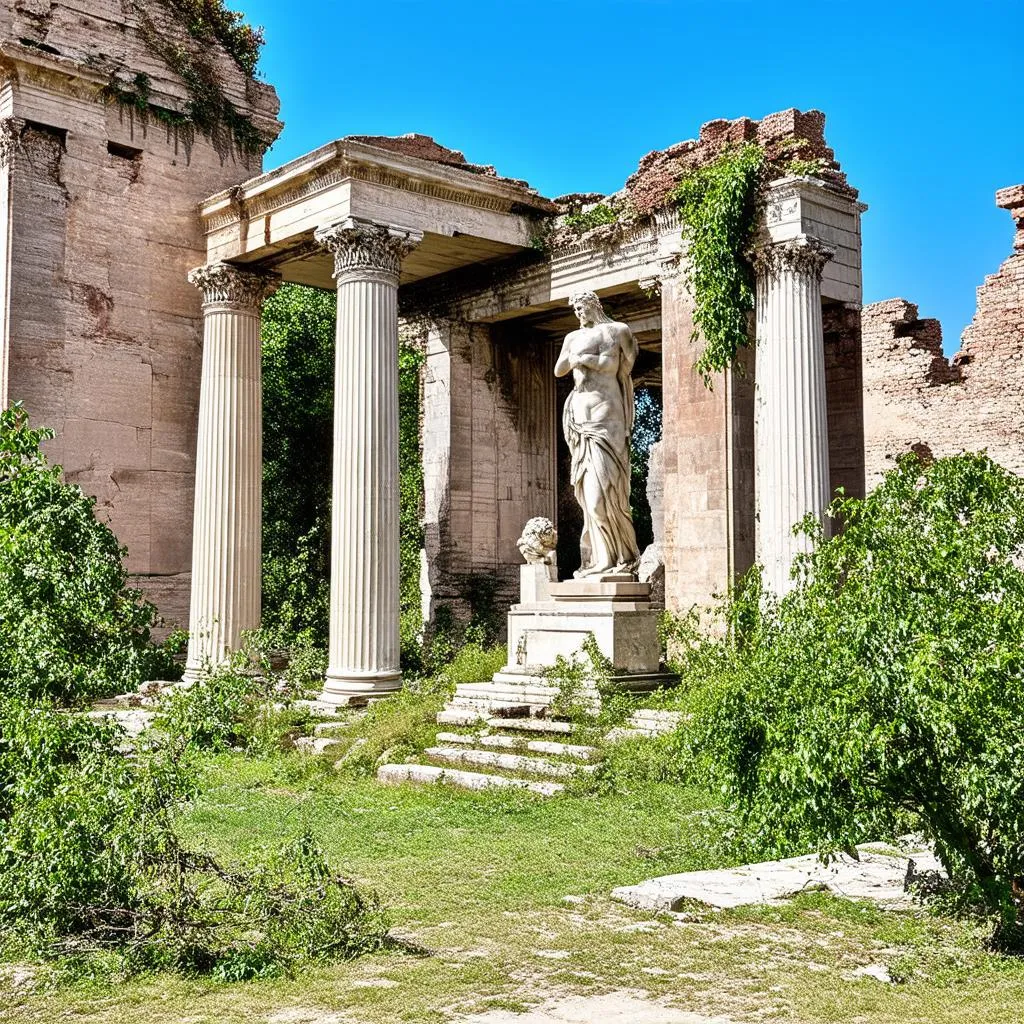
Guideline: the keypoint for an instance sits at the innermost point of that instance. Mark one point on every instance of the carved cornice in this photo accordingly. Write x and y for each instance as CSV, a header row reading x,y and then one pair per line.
x,y
363,247
803,255
10,137
326,179
223,284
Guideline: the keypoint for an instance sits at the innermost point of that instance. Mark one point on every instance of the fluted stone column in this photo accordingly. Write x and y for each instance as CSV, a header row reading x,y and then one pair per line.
x,y
790,423
363,658
227,520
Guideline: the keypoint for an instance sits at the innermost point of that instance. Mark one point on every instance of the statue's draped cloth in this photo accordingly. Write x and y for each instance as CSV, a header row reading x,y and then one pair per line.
x,y
597,453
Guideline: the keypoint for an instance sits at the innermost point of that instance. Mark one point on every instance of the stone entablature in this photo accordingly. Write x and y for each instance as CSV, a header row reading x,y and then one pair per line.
x,y
79,45
271,219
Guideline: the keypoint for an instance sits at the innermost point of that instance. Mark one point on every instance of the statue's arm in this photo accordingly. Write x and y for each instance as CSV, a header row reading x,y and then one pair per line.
x,y
563,365
628,348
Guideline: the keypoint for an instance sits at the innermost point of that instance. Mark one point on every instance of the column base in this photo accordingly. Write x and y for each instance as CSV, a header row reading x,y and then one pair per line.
x,y
347,689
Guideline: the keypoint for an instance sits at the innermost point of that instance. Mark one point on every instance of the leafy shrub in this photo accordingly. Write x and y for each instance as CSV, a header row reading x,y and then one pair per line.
x,y
241,704
885,690
70,627
91,865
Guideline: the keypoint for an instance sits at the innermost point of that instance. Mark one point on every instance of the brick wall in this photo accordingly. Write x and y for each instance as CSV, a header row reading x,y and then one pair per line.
x,y
917,400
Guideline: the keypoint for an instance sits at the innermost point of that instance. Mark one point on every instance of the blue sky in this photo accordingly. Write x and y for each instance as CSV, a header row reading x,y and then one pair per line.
x,y
923,101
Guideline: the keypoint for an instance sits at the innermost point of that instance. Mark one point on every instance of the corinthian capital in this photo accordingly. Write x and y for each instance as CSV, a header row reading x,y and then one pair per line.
x,y
361,246
803,254
223,284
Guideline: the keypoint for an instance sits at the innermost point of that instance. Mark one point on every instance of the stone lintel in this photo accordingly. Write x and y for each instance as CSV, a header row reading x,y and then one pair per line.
x,y
806,208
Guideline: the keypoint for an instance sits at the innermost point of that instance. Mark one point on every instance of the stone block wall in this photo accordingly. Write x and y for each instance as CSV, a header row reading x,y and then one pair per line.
x,y
488,457
916,399
100,334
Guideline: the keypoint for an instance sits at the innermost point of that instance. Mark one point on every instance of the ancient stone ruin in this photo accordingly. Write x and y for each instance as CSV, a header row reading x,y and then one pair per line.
x,y
149,369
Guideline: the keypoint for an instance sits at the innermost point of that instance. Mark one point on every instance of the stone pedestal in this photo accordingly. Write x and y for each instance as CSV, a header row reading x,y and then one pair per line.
x,y
790,421
615,610
228,511
364,654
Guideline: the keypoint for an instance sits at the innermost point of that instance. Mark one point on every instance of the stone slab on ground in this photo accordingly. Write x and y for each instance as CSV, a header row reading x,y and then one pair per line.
x,y
878,877
579,752
426,773
506,762
134,721
613,1008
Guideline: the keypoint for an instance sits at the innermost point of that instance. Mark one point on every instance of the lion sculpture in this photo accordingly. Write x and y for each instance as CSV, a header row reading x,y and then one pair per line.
x,y
537,544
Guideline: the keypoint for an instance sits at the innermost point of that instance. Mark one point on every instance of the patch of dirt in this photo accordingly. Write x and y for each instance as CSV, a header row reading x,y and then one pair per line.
x,y
613,1008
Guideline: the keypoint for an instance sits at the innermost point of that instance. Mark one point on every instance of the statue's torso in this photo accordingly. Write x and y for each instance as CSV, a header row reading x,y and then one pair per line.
x,y
596,396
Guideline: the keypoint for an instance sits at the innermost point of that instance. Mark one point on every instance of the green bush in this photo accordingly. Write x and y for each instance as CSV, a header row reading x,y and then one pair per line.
x,y
70,627
93,872
242,704
298,390
298,433
885,691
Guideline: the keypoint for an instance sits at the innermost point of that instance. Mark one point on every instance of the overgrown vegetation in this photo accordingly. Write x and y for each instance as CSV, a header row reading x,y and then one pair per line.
x,y
410,511
298,431
718,204
94,874
208,20
208,110
587,220
883,693
646,432
70,626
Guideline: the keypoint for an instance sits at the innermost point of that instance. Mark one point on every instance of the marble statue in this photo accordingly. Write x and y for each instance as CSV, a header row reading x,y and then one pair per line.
x,y
598,421
538,542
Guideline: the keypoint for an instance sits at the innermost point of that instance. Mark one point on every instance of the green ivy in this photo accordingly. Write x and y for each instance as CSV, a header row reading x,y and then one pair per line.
x,y
207,110
209,20
410,472
593,218
718,204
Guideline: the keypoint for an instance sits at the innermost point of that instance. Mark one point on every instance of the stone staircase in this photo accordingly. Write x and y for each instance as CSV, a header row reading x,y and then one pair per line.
x,y
510,745
480,751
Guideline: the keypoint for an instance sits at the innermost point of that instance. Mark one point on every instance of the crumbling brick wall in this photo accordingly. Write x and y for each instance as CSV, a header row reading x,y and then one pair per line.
x,y
917,400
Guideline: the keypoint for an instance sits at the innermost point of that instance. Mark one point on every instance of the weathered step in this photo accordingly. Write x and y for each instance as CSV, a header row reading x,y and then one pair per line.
x,y
530,725
320,745
579,753
506,762
460,716
647,724
428,773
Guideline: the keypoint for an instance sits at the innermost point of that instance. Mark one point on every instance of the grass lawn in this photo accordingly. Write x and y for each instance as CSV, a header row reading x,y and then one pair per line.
x,y
482,880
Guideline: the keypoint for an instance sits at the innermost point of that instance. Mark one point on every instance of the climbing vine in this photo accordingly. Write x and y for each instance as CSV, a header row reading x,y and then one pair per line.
x,y
718,204
207,110
207,20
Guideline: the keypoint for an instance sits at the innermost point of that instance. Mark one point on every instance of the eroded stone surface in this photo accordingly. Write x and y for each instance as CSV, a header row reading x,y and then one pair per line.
x,y
879,877
917,400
